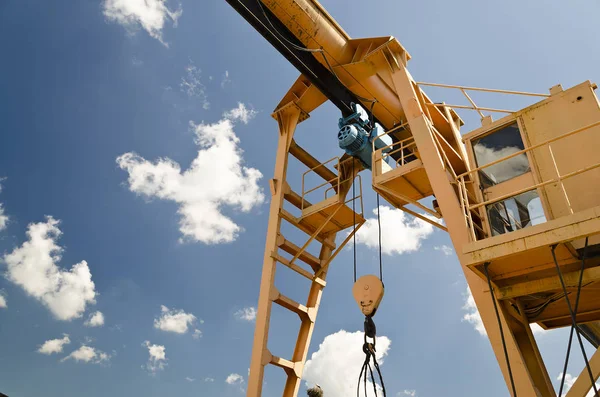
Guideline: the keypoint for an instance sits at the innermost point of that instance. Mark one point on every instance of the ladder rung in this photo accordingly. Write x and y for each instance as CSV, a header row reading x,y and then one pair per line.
x,y
307,159
293,249
306,229
290,304
282,363
298,269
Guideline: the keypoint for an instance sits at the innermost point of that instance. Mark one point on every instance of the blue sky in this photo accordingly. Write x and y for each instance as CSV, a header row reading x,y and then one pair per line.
x,y
87,84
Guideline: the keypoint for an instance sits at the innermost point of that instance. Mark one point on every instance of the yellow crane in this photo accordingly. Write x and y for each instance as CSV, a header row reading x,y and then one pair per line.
x,y
519,195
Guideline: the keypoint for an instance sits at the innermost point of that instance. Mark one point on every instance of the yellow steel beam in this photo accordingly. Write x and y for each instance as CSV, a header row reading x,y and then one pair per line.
x,y
583,385
548,284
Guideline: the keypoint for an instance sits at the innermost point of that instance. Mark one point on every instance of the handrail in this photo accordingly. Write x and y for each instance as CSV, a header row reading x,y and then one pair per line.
x,y
304,193
460,179
335,182
484,89
479,110
515,154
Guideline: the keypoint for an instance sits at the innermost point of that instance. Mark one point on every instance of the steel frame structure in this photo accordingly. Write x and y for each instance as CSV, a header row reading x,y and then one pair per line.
x,y
373,72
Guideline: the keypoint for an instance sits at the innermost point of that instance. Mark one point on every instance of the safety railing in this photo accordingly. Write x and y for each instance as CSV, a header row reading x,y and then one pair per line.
x,y
461,179
474,106
335,184
404,149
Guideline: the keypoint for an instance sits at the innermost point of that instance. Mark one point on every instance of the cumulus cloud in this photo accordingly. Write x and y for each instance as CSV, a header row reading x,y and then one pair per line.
x,y
157,360
472,314
236,380
87,354
246,314
173,320
33,266
400,233
95,320
216,178
191,84
189,379
3,303
3,216
336,365
208,379
445,249
151,15
54,345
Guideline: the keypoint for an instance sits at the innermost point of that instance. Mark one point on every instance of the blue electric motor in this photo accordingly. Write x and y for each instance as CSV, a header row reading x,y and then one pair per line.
x,y
356,136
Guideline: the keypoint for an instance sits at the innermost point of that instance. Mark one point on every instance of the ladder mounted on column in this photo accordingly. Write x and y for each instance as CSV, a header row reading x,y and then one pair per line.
x,y
320,222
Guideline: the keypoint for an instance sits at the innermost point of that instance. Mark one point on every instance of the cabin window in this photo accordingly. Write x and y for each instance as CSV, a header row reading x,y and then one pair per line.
x,y
501,143
515,213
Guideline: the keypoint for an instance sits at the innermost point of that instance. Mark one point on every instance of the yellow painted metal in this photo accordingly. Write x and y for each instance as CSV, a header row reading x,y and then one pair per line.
x,y
583,385
321,222
431,160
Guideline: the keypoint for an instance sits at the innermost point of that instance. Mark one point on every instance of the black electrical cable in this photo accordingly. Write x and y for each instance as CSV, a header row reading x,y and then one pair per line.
x,y
380,376
353,218
510,375
379,224
299,48
574,322
564,373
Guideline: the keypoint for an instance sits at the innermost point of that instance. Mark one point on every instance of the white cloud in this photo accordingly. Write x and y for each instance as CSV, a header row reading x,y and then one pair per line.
x,y
151,15
95,320
400,233
215,179
225,80
236,380
472,314
157,360
3,216
570,381
189,379
173,320
54,345
197,334
246,314
406,392
241,113
192,85
207,379
33,267
88,354
3,303
446,250
336,365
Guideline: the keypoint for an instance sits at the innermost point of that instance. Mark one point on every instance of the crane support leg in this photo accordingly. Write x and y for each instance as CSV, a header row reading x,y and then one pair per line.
x,y
288,117
530,374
